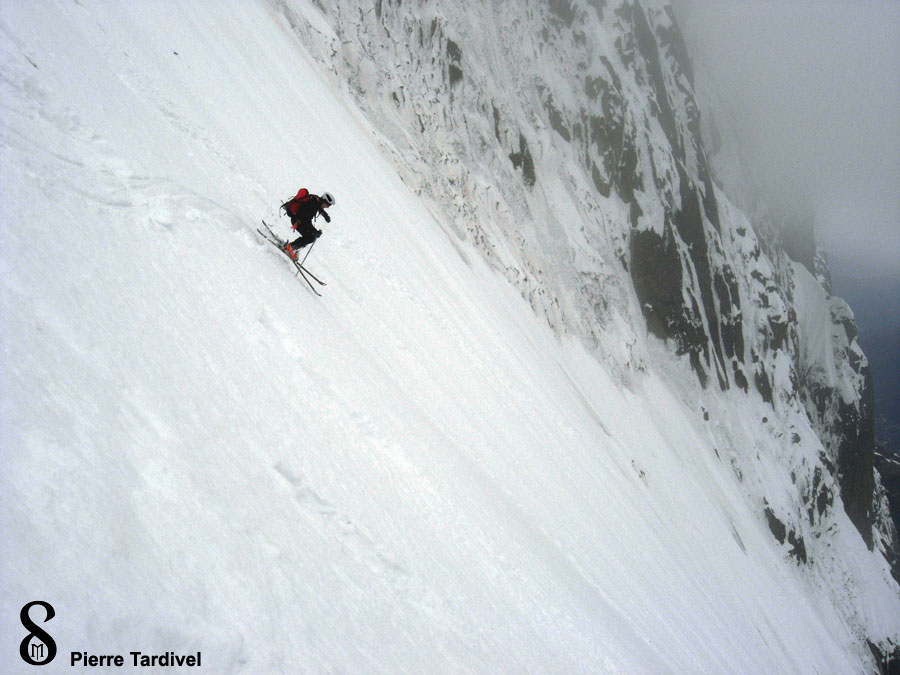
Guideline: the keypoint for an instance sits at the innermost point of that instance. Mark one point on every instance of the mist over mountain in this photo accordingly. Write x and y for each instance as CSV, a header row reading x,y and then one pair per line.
x,y
805,94
577,393
811,88
876,309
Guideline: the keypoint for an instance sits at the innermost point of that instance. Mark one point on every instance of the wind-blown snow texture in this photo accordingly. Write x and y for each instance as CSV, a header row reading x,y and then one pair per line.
x,y
418,471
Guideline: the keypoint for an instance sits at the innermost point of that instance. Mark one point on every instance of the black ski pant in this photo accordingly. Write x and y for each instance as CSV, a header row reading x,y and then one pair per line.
x,y
308,234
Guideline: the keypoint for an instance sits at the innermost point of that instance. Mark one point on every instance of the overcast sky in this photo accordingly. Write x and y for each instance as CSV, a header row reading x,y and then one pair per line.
x,y
815,86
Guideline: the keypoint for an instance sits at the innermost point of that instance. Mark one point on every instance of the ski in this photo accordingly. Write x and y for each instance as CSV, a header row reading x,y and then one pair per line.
x,y
266,225
296,264
267,238
315,278
300,271
278,243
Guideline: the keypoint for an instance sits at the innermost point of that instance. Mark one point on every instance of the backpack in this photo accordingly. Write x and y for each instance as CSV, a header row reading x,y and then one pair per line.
x,y
292,205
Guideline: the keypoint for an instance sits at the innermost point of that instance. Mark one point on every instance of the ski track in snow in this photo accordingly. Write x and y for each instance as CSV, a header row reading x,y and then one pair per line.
x,y
409,474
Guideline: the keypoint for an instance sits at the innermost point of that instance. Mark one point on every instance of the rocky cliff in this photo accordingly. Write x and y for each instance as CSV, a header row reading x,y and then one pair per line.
x,y
565,140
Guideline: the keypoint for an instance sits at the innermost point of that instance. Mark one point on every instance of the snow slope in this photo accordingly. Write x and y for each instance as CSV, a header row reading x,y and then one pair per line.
x,y
411,473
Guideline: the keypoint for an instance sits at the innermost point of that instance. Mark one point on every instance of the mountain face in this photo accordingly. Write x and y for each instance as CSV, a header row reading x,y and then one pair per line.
x,y
564,140
571,400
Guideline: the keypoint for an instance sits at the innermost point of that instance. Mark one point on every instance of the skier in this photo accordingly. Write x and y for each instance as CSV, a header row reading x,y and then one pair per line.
x,y
303,209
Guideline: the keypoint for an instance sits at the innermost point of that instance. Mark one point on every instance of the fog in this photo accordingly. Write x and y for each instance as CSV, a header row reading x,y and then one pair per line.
x,y
813,88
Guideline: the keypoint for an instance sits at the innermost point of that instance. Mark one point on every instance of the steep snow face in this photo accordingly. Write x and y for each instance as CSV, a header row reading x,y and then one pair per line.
x,y
412,473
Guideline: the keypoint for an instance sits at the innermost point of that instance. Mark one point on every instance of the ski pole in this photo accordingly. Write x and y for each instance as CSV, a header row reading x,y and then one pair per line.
x,y
308,252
